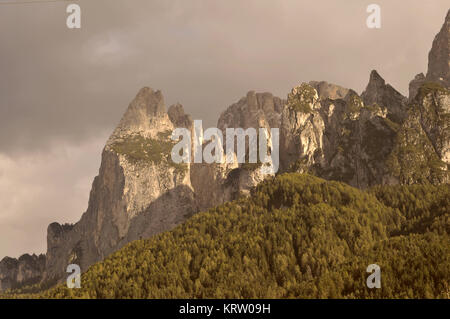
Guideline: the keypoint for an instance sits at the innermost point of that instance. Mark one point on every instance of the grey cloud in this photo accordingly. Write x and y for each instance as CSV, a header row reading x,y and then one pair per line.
x,y
58,84
38,189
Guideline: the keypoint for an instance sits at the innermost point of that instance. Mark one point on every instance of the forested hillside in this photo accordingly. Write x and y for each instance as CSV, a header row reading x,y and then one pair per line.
x,y
297,236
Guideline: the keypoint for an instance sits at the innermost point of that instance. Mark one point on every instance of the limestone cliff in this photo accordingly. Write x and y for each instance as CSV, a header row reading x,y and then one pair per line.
x,y
421,150
327,90
438,61
438,58
220,182
139,191
386,142
27,270
341,139
379,93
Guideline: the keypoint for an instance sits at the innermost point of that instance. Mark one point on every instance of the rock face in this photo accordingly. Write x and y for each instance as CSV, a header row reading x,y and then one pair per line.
x,y
178,117
27,270
415,84
433,104
327,90
380,137
438,61
255,110
421,152
220,182
438,58
139,191
339,139
302,128
382,94
368,144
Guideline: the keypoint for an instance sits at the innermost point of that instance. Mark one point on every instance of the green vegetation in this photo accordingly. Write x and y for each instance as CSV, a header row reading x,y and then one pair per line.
x,y
376,141
251,166
425,207
413,159
302,99
392,125
297,236
138,148
247,165
374,108
300,166
433,111
430,87
354,104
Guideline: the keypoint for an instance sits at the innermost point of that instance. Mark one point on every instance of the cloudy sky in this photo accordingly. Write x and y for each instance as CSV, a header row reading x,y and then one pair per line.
x,y
62,91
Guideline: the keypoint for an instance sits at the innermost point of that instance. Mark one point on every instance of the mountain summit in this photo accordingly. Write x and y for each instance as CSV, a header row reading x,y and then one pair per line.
x,y
438,61
380,93
438,58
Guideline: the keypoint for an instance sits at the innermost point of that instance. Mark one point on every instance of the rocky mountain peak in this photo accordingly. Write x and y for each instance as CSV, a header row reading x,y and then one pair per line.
x,y
415,84
375,80
147,102
252,111
438,58
438,61
327,90
146,115
303,98
178,117
382,94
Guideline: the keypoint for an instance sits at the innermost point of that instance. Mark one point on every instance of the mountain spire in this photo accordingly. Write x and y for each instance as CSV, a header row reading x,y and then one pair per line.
x,y
378,92
439,56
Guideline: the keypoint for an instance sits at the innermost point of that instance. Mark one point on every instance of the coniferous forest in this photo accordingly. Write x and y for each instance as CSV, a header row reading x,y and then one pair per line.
x,y
296,236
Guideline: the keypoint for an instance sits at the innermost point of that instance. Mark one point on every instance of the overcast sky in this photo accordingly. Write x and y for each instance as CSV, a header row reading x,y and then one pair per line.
x,y
63,91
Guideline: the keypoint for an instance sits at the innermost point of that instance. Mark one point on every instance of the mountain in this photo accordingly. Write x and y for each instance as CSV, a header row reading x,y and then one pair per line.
x,y
27,270
377,138
139,191
296,236
438,61
380,93
328,90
